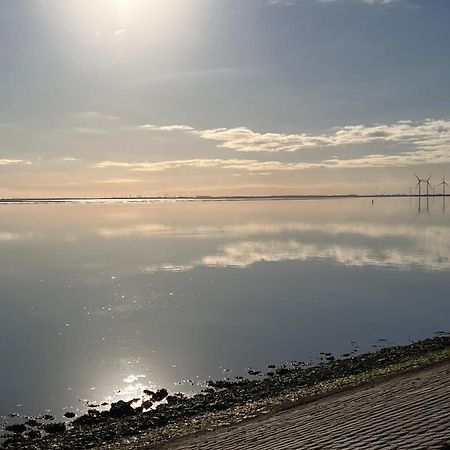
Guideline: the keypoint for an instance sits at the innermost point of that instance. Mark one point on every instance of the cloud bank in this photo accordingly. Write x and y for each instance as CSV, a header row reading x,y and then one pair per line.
x,y
429,139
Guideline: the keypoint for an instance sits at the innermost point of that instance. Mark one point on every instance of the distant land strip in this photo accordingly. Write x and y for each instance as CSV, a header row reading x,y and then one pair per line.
x,y
205,198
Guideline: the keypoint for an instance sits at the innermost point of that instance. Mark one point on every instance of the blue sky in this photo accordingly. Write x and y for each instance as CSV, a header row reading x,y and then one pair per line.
x,y
222,96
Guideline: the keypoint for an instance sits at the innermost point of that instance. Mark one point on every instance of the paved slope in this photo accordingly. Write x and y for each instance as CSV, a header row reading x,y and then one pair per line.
x,y
410,411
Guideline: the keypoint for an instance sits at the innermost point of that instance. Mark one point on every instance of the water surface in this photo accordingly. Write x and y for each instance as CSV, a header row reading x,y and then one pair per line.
x,y
101,298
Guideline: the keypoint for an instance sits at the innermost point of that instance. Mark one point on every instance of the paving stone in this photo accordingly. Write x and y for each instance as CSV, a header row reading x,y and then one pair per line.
x,y
410,411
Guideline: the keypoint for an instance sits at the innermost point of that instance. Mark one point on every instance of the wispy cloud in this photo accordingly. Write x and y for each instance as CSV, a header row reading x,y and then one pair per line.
x,y
366,2
249,165
90,131
70,159
8,162
117,180
152,127
95,115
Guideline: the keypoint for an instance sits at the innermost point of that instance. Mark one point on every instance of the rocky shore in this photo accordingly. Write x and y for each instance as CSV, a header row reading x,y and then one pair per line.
x,y
159,416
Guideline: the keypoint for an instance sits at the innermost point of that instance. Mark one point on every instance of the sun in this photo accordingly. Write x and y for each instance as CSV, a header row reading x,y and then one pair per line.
x,y
125,31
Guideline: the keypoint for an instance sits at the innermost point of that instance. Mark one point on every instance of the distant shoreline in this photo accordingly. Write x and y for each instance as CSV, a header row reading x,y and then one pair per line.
x,y
205,198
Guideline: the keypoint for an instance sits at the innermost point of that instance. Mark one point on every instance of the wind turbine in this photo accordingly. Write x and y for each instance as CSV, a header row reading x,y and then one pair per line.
x,y
428,184
419,185
443,184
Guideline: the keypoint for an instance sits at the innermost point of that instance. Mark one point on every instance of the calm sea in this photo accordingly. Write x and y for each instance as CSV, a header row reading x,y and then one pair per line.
x,y
98,301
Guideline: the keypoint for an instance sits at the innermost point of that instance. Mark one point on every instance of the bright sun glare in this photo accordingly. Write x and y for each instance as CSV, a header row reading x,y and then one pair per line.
x,y
130,22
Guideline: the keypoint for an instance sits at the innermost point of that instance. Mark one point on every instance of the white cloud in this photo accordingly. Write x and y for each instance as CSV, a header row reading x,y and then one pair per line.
x,y
249,165
427,134
8,162
151,127
430,140
70,159
87,131
366,2
117,180
95,115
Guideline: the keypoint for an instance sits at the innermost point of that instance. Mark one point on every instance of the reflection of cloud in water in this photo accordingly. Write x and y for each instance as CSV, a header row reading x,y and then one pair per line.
x,y
8,236
167,268
133,378
367,229
243,254
392,245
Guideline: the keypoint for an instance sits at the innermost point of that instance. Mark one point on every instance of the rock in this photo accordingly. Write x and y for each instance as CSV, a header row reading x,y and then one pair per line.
x,y
17,428
147,404
148,392
52,428
69,415
253,372
160,395
32,423
271,366
121,409
175,399
48,417
33,434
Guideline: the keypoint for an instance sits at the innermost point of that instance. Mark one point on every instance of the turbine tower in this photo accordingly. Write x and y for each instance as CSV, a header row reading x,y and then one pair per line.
x,y
443,184
419,184
428,184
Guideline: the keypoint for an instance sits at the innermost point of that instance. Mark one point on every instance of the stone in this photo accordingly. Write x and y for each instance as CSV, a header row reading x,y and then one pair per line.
x,y
160,395
17,428
52,428
121,409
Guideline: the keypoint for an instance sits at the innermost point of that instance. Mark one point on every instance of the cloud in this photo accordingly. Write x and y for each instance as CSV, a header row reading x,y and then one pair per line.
x,y
364,2
8,162
378,2
95,115
249,165
424,135
151,127
90,131
429,138
70,159
117,180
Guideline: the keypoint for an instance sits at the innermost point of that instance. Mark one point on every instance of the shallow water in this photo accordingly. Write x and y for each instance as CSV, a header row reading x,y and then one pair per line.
x,y
97,298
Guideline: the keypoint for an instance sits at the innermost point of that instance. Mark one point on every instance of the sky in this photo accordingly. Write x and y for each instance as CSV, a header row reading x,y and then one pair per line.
x,y
222,97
